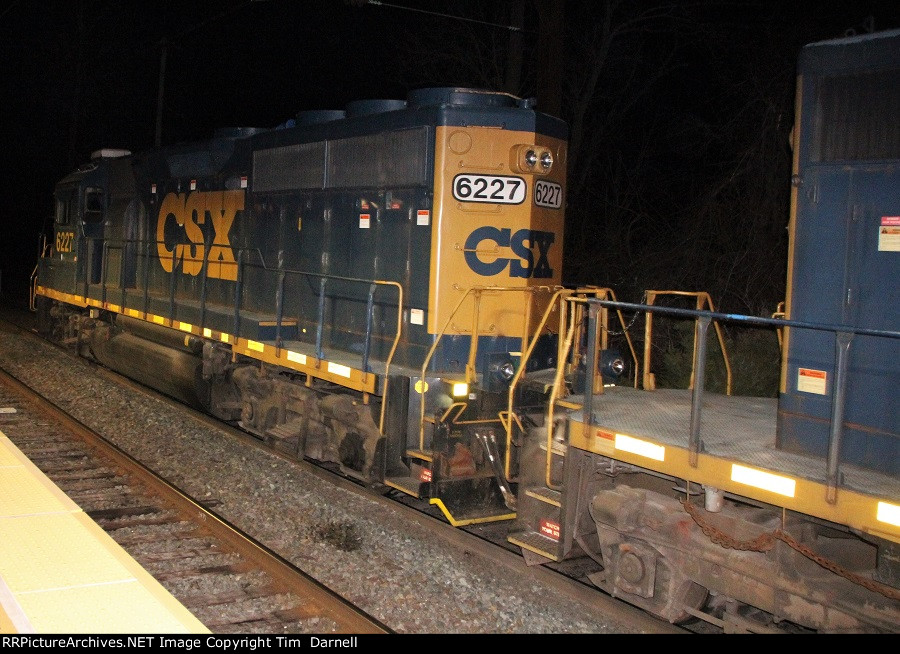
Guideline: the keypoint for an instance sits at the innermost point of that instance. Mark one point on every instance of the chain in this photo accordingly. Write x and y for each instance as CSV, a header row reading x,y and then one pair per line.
x,y
765,542
630,324
874,586
762,543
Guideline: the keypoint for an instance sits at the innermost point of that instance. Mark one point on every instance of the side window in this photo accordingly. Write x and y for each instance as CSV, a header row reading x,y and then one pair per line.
x,y
61,217
65,207
72,208
93,205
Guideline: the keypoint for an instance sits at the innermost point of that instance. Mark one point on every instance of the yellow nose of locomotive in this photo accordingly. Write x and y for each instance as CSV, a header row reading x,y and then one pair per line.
x,y
498,226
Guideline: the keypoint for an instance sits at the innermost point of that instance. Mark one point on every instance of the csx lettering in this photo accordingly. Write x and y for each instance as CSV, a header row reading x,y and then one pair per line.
x,y
64,241
521,243
189,211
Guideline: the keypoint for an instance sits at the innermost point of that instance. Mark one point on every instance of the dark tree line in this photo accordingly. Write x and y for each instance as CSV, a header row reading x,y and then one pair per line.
x,y
680,115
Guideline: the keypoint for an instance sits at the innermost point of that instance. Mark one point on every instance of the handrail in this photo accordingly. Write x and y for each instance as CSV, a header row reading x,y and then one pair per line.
x,y
591,369
120,244
560,369
779,313
634,357
425,363
753,320
43,247
390,356
473,345
562,296
843,340
551,305
701,297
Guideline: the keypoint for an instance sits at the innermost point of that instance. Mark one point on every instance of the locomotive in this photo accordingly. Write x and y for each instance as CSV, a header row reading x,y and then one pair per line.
x,y
379,289
347,286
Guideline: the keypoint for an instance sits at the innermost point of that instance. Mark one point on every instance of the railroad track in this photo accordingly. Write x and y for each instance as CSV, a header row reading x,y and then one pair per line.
x,y
230,582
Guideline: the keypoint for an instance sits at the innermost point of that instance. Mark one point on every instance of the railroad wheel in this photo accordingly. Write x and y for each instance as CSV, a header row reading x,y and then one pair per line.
x,y
640,574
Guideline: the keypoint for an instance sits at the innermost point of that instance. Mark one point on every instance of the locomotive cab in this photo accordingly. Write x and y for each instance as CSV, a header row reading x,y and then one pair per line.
x,y
76,250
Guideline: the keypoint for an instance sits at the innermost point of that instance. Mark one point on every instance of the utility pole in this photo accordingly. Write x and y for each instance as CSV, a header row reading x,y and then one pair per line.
x,y
513,78
161,92
550,57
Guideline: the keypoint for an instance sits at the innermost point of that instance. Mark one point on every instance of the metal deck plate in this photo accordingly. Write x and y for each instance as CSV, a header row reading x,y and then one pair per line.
x,y
741,429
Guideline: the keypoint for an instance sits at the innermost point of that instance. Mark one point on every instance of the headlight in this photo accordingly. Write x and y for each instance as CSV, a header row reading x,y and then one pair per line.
x,y
612,365
530,159
503,370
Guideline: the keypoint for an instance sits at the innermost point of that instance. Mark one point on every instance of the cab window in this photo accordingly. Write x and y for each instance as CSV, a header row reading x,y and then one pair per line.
x,y
61,217
93,205
66,207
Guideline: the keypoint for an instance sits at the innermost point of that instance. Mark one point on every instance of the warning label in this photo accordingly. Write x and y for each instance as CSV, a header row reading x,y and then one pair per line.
x,y
549,529
889,234
812,381
608,435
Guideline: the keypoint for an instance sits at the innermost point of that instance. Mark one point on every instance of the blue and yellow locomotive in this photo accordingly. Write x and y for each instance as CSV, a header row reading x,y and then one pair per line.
x,y
349,286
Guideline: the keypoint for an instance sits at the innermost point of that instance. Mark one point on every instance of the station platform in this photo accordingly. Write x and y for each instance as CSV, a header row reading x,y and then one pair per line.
x,y
60,573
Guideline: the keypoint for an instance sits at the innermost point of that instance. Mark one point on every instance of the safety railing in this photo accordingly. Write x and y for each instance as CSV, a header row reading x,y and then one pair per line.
x,y
702,300
570,303
43,251
844,336
241,264
476,293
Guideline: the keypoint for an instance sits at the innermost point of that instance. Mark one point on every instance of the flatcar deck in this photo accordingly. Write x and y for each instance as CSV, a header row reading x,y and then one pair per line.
x,y
61,573
637,425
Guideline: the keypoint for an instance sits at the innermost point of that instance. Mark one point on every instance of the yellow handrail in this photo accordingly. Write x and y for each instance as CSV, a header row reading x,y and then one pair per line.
x,y
473,345
551,305
390,357
701,298
779,313
32,286
560,368
562,296
602,294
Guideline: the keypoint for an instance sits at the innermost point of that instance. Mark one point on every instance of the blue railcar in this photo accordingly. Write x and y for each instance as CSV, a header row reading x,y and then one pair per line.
x,y
845,250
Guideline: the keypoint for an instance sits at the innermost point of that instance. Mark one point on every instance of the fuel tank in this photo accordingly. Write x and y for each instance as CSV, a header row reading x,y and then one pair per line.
x,y
173,369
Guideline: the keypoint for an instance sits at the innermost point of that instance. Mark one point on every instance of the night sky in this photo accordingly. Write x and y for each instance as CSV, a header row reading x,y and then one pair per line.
x,y
80,75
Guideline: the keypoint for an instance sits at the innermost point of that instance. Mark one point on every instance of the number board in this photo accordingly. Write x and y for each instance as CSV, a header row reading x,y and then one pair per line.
x,y
547,194
64,241
495,189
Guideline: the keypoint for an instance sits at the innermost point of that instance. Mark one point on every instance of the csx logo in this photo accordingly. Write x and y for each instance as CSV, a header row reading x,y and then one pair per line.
x,y
181,215
521,244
